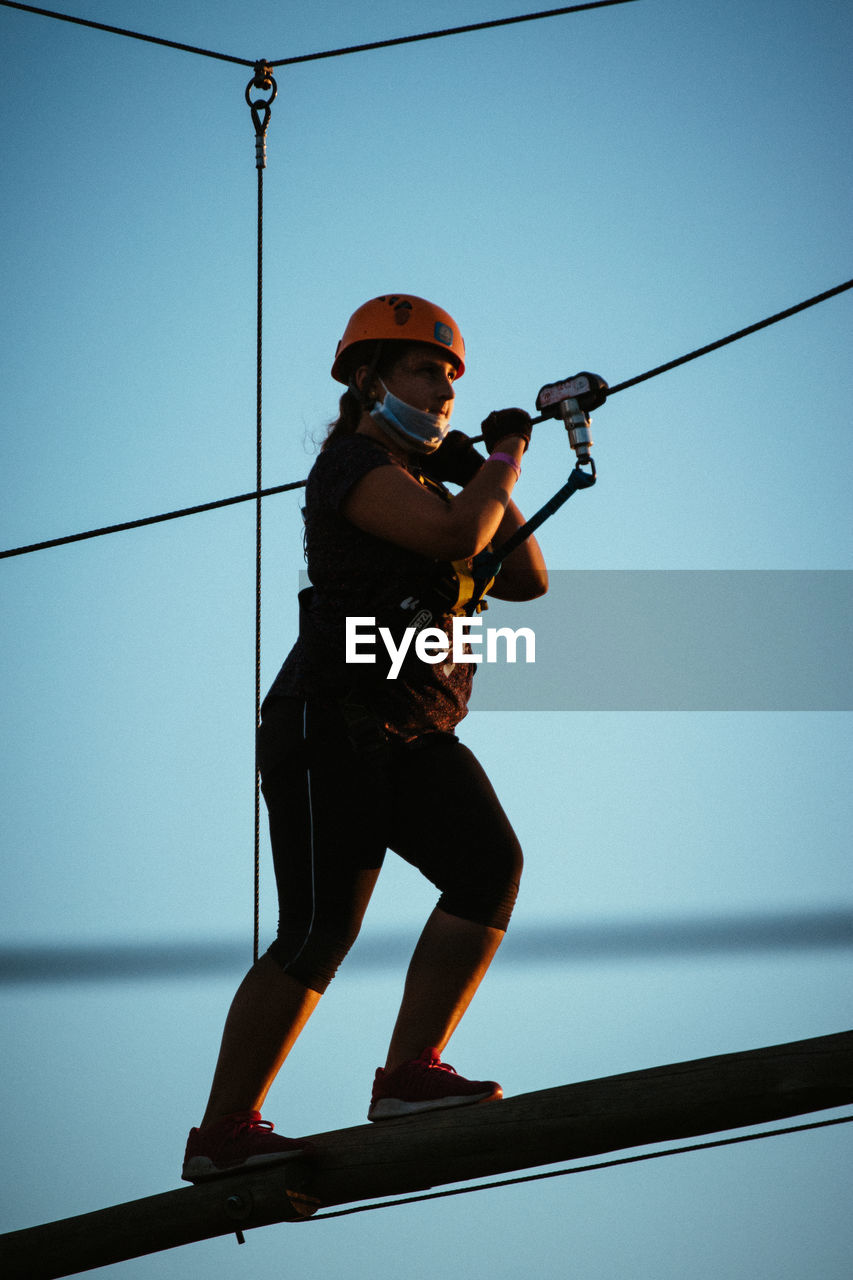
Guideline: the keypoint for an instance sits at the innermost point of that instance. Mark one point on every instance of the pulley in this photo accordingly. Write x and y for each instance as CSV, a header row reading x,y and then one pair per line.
x,y
573,400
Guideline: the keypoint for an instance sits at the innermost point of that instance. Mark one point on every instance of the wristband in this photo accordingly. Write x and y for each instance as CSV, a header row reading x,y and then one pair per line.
x,y
508,459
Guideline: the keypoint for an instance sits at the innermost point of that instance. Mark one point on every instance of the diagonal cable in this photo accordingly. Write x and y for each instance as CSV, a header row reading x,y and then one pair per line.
x,y
122,31
446,31
713,1145
732,337
298,484
146,520
326,53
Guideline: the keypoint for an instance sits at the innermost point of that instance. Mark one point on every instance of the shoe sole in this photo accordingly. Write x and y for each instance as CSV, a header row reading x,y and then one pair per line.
x,y
202,1168
391,1108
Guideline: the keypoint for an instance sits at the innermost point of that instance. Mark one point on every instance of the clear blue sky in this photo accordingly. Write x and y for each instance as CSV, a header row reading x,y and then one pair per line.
x,y
604,190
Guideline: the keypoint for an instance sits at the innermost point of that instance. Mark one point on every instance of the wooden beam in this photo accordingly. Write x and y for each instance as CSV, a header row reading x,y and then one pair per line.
x,y
398,1157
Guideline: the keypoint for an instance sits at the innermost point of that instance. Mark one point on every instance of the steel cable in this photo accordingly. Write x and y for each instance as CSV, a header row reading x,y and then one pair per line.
x,y
298,484
447,31
584,1168
326,53
260,109
147,520
258,538
256,918
121,31
732,337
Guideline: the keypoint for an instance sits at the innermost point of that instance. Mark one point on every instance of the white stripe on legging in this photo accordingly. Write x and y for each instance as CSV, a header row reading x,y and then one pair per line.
x,y
293,959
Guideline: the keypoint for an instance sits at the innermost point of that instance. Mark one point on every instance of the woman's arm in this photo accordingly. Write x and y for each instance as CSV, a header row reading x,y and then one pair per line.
x,y
391,504
523,575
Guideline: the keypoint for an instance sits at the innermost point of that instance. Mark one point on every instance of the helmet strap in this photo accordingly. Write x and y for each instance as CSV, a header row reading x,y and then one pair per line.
x,y
364,397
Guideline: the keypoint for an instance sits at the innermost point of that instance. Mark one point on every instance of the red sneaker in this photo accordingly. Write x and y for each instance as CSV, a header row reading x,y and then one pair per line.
x,y
426,1084
239,1141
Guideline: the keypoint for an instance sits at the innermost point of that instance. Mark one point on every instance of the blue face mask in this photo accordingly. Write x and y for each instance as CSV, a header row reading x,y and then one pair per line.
x,y
412,428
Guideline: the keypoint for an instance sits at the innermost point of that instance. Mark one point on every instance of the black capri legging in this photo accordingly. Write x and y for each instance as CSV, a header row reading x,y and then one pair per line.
x,y
334,812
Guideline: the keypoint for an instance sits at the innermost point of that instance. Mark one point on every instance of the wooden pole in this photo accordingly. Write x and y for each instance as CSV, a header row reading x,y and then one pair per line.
x,y
398,1157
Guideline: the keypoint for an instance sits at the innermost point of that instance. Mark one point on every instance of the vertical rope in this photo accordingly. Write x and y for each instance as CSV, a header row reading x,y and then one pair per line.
x,y
260,108
258,507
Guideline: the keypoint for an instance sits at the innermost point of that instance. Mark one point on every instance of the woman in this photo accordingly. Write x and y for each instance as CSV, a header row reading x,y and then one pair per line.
x,y
354,762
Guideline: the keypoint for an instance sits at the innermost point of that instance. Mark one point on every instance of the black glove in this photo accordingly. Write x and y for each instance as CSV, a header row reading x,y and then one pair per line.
x,y
506,422
455,459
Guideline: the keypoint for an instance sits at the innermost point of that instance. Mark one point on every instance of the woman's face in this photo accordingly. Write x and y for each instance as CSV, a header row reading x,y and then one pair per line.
x,y
424,378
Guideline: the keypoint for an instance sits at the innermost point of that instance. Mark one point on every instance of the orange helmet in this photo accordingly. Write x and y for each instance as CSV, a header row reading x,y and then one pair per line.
x,y
400,317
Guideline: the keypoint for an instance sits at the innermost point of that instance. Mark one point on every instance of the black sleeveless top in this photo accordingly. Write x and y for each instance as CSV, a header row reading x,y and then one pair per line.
x,y
354,574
